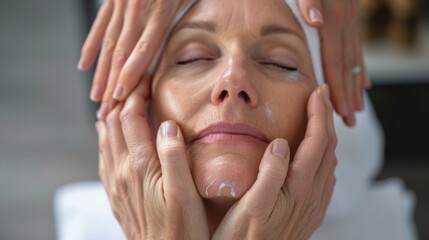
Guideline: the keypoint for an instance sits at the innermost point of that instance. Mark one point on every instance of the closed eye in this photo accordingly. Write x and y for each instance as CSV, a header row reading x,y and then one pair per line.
x,y
192,60
281,66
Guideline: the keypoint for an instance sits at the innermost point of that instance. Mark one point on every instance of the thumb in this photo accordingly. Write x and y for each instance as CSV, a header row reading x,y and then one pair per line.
x,y
176,175
311,10
271,177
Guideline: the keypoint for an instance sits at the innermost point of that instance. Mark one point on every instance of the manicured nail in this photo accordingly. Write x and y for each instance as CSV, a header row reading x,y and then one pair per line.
x,y
169,129
119,91
280,148
96,93
316,15
80,64
326,93
102,112
344,111
352,120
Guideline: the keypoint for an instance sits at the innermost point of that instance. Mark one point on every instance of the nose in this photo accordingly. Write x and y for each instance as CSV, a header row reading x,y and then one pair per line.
x,y
235,85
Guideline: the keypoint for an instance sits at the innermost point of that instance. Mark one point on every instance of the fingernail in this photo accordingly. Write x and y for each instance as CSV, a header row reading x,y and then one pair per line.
x,y
102,112
80,64
316,15
326,93
96,93
119,91
279,148
352,120
169,129
344,111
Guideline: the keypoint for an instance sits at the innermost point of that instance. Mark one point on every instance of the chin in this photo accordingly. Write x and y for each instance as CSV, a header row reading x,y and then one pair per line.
x,y
225,175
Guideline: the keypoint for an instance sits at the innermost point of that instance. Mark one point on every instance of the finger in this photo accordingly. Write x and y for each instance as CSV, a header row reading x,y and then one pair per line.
x,y
145,50
177,179
328,191
310,152
349,62
93,41
104,63
105,155
333,140
116,136
331,40
271,177
311,10
325,170
136,129
132,29
359,80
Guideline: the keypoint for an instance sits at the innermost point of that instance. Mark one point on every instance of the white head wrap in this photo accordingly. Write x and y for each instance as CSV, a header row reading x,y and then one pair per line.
x,y
311,34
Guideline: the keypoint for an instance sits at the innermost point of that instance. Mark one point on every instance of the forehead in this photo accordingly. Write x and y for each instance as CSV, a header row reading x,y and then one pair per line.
x,y
243,15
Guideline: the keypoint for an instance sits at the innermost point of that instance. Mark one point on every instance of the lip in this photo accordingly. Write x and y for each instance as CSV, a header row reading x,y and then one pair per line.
x,y
226,132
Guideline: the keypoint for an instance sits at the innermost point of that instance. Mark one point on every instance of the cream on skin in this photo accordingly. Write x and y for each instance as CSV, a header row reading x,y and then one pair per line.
x,y
234,75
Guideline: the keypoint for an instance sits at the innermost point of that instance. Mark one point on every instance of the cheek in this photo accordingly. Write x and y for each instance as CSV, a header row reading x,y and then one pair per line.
x,y
170,101
290,117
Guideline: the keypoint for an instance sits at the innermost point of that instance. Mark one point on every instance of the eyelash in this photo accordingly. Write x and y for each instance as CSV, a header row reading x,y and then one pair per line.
x,y
283,67
183,62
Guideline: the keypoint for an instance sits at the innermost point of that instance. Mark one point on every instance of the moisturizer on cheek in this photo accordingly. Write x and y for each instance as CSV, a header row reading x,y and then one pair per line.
x,y
268,112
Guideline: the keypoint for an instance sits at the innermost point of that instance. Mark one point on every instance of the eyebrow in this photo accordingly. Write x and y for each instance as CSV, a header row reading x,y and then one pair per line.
x,y
277,29
211,27
208,26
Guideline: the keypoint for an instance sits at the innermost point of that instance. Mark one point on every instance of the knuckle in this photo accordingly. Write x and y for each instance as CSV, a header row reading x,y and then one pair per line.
x,y
119,56
102,143
334,180
143,153
334,141
142,47
275,174
170,149
165,7
334,163
112,118
134,4
125,115
121,180
109,44
324,139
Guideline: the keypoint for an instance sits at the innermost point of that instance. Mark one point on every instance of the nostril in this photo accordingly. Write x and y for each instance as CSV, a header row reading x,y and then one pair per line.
x,y
245,96
223,95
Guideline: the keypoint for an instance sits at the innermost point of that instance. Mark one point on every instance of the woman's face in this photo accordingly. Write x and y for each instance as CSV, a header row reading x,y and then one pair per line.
x,y
234,75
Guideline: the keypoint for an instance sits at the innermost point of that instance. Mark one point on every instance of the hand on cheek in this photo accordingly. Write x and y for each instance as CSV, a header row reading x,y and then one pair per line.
x,y
289,198
149,186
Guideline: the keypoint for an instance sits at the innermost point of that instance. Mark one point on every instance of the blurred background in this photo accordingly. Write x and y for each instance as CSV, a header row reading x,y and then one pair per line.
x,y
47,136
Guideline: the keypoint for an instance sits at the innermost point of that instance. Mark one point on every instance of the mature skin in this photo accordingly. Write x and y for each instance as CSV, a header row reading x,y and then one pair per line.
x,y
233,65
231,181
129,32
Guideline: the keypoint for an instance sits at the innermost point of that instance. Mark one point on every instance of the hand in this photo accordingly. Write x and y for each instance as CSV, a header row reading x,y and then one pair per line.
x,y
129,34
341,49
289,199
152,195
